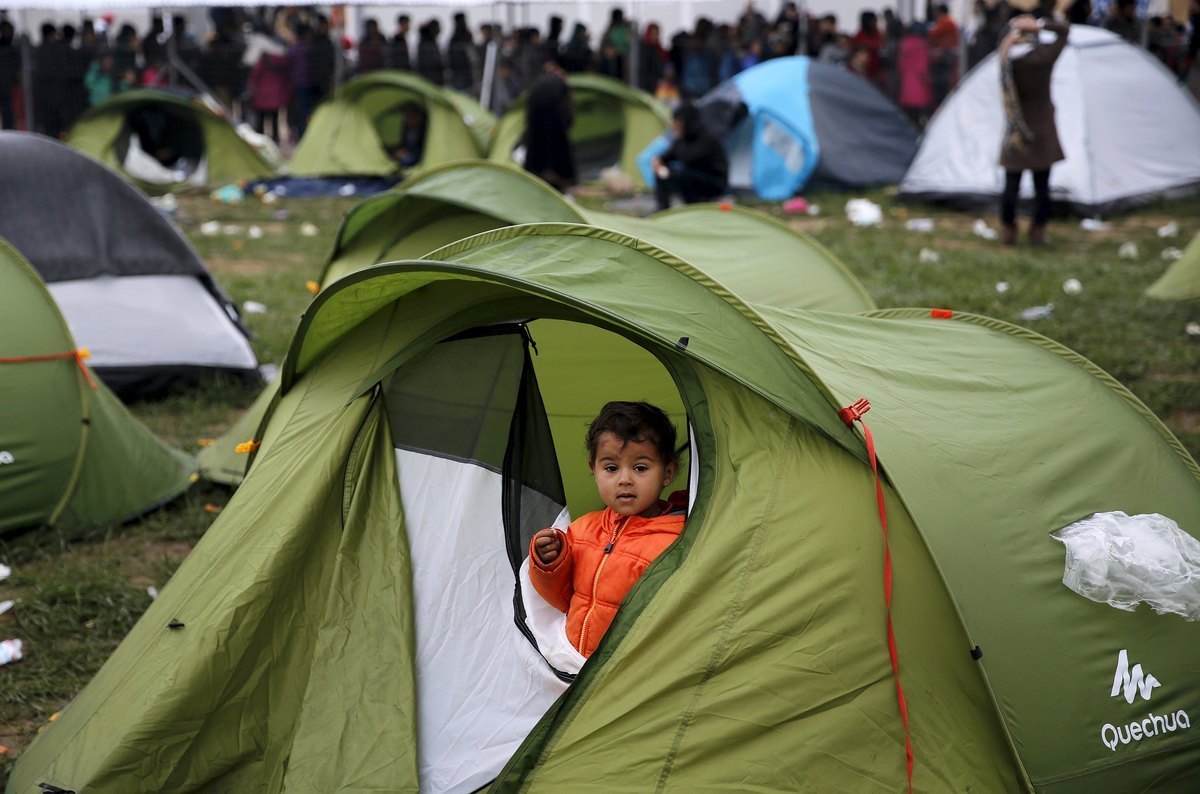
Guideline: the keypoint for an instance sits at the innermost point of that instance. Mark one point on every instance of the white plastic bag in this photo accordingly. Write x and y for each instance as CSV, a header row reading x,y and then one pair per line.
x,y
1122,560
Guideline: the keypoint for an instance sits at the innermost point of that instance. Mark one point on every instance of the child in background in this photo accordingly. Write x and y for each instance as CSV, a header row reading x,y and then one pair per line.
x,y
587,571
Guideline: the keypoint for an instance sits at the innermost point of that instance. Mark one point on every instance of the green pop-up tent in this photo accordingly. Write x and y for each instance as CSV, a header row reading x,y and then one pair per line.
x,y
354,132
612,124
70,454
164,142
757,257
355,620
1181,281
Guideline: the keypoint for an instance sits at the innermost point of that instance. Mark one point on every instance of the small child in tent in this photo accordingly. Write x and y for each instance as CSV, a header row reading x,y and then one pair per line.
x,y
587,570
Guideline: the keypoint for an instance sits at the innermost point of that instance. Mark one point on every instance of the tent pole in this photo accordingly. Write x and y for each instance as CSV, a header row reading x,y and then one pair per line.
x,y
26,70
489,73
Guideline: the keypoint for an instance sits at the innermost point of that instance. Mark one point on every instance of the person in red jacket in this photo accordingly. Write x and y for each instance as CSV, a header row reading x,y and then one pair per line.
x,y
587,570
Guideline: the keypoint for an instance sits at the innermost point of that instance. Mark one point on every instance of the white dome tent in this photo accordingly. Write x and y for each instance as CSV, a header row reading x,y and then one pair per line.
x,y
1129,132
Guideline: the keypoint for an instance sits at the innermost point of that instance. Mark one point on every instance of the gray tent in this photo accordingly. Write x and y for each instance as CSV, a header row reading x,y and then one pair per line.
x,y
1129,132
129,285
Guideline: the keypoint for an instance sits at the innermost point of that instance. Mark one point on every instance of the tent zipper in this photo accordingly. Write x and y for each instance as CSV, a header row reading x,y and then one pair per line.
x,y
596,579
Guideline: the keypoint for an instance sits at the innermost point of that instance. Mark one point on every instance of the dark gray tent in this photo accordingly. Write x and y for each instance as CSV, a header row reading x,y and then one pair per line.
x,y
129,285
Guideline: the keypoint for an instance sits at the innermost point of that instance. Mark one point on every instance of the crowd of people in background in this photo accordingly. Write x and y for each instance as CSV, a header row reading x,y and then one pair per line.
x,y
271,61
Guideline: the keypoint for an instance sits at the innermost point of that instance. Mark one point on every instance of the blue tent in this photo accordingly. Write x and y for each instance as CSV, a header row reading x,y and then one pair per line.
x,y
790,120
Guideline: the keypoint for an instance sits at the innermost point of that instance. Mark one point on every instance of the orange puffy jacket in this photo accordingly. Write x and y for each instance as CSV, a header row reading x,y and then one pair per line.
x,y
603,554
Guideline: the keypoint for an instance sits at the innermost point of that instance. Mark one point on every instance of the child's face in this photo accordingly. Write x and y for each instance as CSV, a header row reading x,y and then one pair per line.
x,y
630,475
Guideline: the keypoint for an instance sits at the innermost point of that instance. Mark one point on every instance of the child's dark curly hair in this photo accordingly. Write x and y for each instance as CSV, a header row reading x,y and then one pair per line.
x,y
634,421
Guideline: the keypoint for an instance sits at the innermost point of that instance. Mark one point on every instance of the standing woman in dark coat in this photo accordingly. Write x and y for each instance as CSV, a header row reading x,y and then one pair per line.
x,y
1030,138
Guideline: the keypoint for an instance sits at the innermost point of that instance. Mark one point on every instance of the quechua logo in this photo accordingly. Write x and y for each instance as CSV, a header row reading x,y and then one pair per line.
x,y
1130,683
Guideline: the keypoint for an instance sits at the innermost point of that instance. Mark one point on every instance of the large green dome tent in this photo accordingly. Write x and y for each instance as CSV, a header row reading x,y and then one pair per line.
x,y
761,259
353,132
70,454
613,123
348,621
135,131
1181,281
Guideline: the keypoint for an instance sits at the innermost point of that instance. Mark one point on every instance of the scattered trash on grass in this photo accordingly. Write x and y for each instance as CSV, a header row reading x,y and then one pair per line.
x,y
928,256
6,605
168,203
270,197
308,230
209,507
1169,230
1038,312
863,212
1002,287
1072,286
254,307
211,228
312,286
152,591
5,572
281,215
1128,250
255,233
1094,225
796,206
268,371
10,651
228,194
1171,254
980,229
347,189
1192,329
919,224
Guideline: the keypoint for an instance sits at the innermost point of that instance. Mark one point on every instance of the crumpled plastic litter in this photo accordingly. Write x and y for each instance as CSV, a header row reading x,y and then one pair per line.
x,y
927,256
152,591
1128,250
1038,312
1169,229
1171,254
308,229
1192,329
863,212
166,203
919,224
796,206
5,572
254,233
210,228
1002,287
10,651
1072,286
268,371
1122,560
228,194
6,605
254,307
980,229
269,197
347,189
1094,225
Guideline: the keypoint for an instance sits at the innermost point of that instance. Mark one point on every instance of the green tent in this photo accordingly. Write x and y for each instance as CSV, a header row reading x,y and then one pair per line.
x,y
354,132
164,142
1181,281
70,454
354,619
613,123
759,258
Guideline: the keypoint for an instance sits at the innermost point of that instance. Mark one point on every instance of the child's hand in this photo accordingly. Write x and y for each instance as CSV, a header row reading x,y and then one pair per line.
x,y
547,546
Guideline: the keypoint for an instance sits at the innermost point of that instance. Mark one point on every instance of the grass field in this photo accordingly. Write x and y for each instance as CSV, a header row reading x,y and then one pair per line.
x,y
77,597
